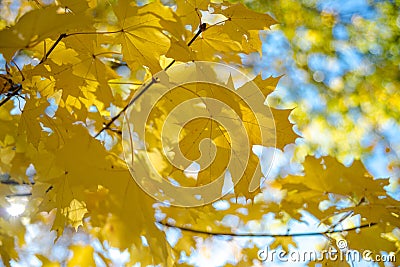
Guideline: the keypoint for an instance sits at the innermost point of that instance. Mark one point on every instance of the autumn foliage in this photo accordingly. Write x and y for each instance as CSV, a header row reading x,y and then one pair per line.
x,y
74,67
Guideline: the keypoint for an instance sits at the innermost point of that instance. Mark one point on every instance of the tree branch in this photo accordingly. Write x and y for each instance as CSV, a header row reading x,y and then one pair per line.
x,y
20,72
17,88
13,182
65,35
197,231
107,126
62,36
19,195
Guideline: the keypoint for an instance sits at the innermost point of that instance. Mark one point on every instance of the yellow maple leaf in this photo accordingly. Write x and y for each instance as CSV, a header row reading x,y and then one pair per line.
x,y
29,123
208,124
189,11
141,36
214,41
81,256
36,26
46,262
284,242
284,128
240,20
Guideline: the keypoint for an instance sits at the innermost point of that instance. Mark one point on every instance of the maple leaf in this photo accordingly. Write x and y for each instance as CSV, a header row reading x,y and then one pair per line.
x,y
29,124
284,128
72,68
214,41
141,31
189,11
82,255
326,177
241,20
284,242
369,239
228,117
36,26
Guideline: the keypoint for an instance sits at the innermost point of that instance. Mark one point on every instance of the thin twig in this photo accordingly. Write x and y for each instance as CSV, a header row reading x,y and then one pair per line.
x,y
202,28
19,195
107,126
13,182
131,83
344,217
17,88
62,36
197,231
22,75
65,35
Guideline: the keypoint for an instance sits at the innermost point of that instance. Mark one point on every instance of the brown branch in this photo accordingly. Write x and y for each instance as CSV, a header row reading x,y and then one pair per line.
x,y
65,35
15,87
14,92
131,83
62,36
13,182
19,195
16,65
197,231
344,217
107,126
202,28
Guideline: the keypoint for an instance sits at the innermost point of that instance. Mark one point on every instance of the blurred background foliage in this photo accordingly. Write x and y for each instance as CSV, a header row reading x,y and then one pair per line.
x,y
341,65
